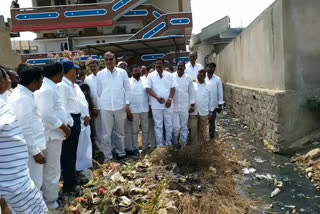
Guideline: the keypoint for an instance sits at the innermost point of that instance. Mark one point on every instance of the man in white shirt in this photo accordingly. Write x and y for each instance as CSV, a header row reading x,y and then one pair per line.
x,y
139,109
183,100
5,85
91,80
72,104
215,84
161,88
151,135
112,87
192,68
84,151
199,117
55,123
16,186
29,119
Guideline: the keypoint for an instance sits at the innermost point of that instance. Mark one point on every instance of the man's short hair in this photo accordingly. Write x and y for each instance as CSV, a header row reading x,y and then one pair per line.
x,y
30,74
180,61
109,54
192,54
212,64
92,61
202,71
161,59
20,67
3,73
52,69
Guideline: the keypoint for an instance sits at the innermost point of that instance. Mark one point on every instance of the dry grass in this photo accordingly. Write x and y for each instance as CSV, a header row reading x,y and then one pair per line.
x,y
219,196
221,199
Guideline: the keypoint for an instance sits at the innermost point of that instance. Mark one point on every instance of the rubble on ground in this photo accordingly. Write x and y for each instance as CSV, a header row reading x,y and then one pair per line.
x,y
310,164
167,181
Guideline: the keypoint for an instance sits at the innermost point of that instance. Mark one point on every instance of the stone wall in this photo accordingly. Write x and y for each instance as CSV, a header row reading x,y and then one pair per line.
x,y
259,110
272,68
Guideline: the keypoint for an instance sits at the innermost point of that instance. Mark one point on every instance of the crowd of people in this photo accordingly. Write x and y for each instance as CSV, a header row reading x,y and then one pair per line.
x,y
54,118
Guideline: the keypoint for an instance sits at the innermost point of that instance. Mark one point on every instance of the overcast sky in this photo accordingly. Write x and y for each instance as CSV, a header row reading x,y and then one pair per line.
x,y
205,12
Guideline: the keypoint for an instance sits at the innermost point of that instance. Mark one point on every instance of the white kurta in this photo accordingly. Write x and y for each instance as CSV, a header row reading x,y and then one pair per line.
x,y
84,151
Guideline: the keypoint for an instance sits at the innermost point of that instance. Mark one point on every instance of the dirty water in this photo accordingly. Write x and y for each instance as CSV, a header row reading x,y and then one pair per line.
x,y
297,192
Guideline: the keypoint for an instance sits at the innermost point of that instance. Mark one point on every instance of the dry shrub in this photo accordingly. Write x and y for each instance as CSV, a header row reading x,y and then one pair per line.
x,y
214,202
220,197
195,156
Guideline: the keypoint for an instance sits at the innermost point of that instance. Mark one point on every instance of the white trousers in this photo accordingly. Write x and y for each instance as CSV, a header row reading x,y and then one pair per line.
x,y
36,171
161,116
52,171
84,150
128,134
110,120
143,119
180,127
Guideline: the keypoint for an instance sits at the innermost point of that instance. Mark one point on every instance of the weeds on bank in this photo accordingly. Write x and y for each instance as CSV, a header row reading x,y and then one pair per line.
x,y
154,204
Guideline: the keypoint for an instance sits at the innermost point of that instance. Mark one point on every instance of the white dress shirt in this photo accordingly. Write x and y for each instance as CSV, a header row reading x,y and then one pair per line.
x,y
138,97
185,95
91,80
215,84
70,100
51,110
161,87
192,71
112,89
28,116
4,97
203,99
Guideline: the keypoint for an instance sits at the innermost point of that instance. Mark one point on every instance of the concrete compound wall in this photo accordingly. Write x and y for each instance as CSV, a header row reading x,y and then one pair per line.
x,y
271,69
8,58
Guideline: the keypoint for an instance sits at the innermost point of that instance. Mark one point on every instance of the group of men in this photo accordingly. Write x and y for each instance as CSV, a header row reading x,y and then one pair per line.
x,y
47,116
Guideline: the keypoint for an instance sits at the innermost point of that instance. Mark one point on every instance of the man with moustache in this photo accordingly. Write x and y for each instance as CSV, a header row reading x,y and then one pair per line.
x,y
139,109
161,88
91,80
183,103
112,88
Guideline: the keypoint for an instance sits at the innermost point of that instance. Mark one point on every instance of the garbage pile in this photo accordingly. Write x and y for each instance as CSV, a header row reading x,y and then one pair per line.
x,y
310,164
128,187
195,179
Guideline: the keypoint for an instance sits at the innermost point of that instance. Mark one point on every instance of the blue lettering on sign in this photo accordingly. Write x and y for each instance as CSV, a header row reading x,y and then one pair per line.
x,y
84,13
151,57
85,58
180,21
154,30
120,4
35,16
184,59
137,13
156,14
39,61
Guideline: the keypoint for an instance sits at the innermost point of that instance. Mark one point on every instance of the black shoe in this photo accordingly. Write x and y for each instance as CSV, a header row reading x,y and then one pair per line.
x,y
117,157
130,153
136,152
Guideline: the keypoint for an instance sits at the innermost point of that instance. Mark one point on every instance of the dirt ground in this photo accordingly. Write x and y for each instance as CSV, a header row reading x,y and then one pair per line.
x,y
213,178
201,178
